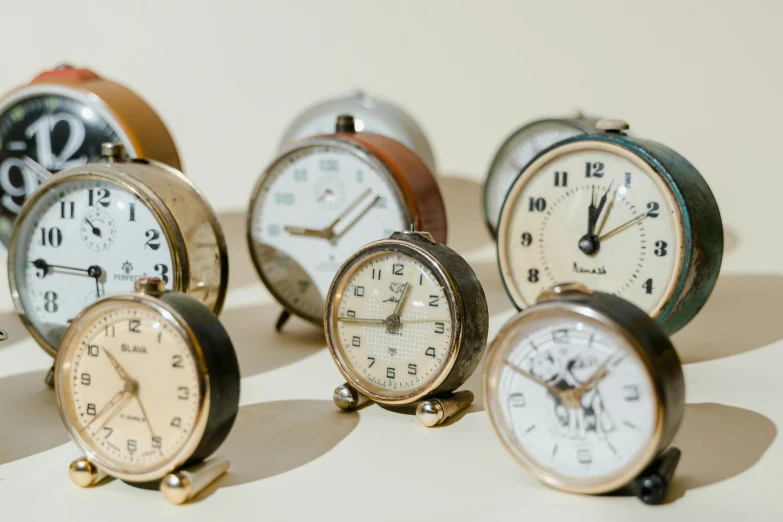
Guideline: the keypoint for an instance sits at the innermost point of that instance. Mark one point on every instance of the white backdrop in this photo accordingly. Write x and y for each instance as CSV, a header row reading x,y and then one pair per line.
x,y
703,77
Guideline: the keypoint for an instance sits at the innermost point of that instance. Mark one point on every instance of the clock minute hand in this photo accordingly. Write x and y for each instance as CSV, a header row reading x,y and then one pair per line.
x,y
350,225
524,373
41,173
361,320
624,226
348,210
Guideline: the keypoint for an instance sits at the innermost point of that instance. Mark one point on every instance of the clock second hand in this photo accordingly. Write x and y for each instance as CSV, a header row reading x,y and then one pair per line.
x,y
624,226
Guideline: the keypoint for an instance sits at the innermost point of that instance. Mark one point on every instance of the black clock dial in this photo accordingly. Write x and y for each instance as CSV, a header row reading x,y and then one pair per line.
x,y
54,131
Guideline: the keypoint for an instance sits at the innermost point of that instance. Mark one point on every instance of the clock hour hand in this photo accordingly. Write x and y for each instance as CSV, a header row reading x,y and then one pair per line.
x,y
120,370
361,320
350,225
302,231
524,373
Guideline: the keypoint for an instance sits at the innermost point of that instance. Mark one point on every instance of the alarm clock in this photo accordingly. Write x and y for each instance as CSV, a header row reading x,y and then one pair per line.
x,y
147,385
619,214
93,230
59,120
586,392
325,197
370,115
406,323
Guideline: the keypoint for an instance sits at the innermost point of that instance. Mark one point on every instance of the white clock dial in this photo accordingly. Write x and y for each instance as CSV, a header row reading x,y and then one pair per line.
x,y
576,401
515,155
394,324
633,248
316,206
84,239
134,389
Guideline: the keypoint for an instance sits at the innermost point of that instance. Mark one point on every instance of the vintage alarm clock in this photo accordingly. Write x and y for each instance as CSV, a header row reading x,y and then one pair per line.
x,y
148,387
93,230
619,214
406,323
325,197
586,391
523,145
370,115
59,120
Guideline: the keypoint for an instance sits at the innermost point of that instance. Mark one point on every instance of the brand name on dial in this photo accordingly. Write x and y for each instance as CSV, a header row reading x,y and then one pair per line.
x,y
134,348
582,270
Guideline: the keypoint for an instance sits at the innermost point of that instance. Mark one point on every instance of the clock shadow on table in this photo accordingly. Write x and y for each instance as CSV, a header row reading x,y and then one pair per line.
x,y
241,270
31,421
742,314
271,438
13,327
259,347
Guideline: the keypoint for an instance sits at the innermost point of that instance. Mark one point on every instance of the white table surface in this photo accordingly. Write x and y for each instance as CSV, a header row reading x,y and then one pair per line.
x,y
296,457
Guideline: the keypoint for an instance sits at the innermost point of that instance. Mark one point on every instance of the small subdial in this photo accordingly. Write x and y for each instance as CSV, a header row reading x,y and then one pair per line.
x,y
98,230
329,192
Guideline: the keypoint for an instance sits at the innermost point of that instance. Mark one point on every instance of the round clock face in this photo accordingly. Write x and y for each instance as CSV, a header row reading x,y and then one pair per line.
x,y
393,325
515,155
365,120
131,390
57,130
83,239
314,208
574,402
592,213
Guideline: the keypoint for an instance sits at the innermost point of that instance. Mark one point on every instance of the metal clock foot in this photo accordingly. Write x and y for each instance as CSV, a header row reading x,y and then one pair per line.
x,y
285,315
652,485
347,398
49,379
435,411
183,485
85,473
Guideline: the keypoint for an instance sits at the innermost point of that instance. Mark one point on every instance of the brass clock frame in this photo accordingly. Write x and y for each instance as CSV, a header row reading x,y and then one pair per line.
x,y
188,222
187,472
646,342
469,327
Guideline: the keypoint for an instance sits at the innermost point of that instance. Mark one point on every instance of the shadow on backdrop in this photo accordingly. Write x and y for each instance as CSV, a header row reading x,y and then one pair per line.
x,y
241,270
30,420
464,211
718,442
753,301
12,325
271,438
259,347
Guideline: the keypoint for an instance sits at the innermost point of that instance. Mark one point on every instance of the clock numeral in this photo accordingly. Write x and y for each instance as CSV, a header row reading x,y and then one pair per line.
x,y
50,302
631,392
440,328
177,361
67,209
527,238
560,336
110,430
648,286
133,325
358,291
430,351
594,170
660,248
86,379
412,369
397,269
390,373
93,350
153,239
132,445
628,180
350,313
532,275
517,400
162,270
374,273
652,209
132,212
300,175
356,341
184,393
274,229
329,164
51,237
421,279
176,422
584,456
157,442
100,196
91,409
359,176
29,183
372,361
434,300
537,204
285,198
109,330
561,179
